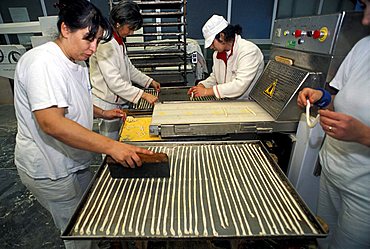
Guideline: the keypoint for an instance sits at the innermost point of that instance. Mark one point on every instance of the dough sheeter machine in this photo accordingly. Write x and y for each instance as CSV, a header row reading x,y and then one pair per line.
x,y
217,189
274,108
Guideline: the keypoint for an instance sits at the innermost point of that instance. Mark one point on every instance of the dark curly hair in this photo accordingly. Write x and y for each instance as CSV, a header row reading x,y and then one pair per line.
x,y
229,32
80,14
126,12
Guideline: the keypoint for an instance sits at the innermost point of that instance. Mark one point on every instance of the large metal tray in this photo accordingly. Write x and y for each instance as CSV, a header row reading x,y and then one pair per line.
x,y
228,189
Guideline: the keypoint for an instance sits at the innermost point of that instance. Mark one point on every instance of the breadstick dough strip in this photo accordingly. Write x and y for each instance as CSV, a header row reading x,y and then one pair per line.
x,y
98,209
123,207
116,208
147,209
204,218
158,232
130,228
308,116
111,205
155,199
123,230
216,189
227,198
230,150
88,202
268,196
168,195
267,174
278,184
263,196
172,229
196,232
186,230
291,210
237,202
152,231
189,193
297,206
142,199
206,165
237,158
252,178
246,182
226,222
181,165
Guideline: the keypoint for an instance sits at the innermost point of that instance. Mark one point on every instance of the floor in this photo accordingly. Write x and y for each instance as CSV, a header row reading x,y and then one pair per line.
x,y
25,224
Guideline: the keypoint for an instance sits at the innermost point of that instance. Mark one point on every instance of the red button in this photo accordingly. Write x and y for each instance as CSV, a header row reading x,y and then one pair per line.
x,y
298,33
316,34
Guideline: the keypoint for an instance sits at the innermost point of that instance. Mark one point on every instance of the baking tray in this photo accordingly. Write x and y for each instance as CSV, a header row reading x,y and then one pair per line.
x,y
228,189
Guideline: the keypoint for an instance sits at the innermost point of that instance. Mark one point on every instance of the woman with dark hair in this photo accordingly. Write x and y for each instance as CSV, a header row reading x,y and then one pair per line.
x,y
237,63
111,71
54,111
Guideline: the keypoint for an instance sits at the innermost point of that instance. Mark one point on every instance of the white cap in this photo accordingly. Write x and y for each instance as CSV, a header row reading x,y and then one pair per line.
x,y
212,27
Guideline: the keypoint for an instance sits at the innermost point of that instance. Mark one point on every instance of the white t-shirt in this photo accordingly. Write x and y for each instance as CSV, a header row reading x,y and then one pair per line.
x,y
347,164
45,77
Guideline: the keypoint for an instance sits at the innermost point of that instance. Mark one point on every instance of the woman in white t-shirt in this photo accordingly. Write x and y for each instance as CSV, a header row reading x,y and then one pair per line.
x,y
344,199
54,110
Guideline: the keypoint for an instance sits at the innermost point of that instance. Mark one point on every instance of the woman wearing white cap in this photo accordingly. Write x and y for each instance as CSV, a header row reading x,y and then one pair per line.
x,y
237,63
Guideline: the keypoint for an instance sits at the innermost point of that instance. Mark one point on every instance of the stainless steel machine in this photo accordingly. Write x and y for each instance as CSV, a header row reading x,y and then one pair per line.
x,y
273,109
306,52
229,189
317,43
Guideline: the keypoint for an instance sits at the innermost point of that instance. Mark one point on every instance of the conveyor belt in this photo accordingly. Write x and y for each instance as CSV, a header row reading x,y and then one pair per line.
x,y
170,94
215,190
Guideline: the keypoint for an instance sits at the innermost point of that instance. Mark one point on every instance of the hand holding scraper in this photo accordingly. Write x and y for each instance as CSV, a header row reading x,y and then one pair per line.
x,y
153,166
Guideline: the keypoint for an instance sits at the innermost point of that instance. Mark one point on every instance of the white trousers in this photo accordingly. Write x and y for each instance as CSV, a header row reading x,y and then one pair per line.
x,y
61,197
347,214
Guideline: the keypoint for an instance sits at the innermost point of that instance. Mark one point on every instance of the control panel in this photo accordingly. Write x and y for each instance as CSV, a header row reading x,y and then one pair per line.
x,y
315,34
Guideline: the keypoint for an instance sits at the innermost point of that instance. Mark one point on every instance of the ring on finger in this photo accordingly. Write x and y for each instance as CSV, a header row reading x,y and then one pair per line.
x,y
330,128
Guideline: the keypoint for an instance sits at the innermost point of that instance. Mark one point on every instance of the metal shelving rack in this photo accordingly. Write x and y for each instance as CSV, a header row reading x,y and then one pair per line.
x,y
159,50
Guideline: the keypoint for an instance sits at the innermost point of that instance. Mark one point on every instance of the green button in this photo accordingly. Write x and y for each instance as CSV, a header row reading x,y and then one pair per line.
x,y
291,44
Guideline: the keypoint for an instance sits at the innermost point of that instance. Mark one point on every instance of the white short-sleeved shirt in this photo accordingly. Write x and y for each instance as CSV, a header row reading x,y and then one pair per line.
x,y
45,77
347,164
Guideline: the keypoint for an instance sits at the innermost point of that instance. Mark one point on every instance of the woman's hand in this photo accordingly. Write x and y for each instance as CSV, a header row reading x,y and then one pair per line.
x,y
312,95
156,85
150,98
344,127
200,90
113,114
125,154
